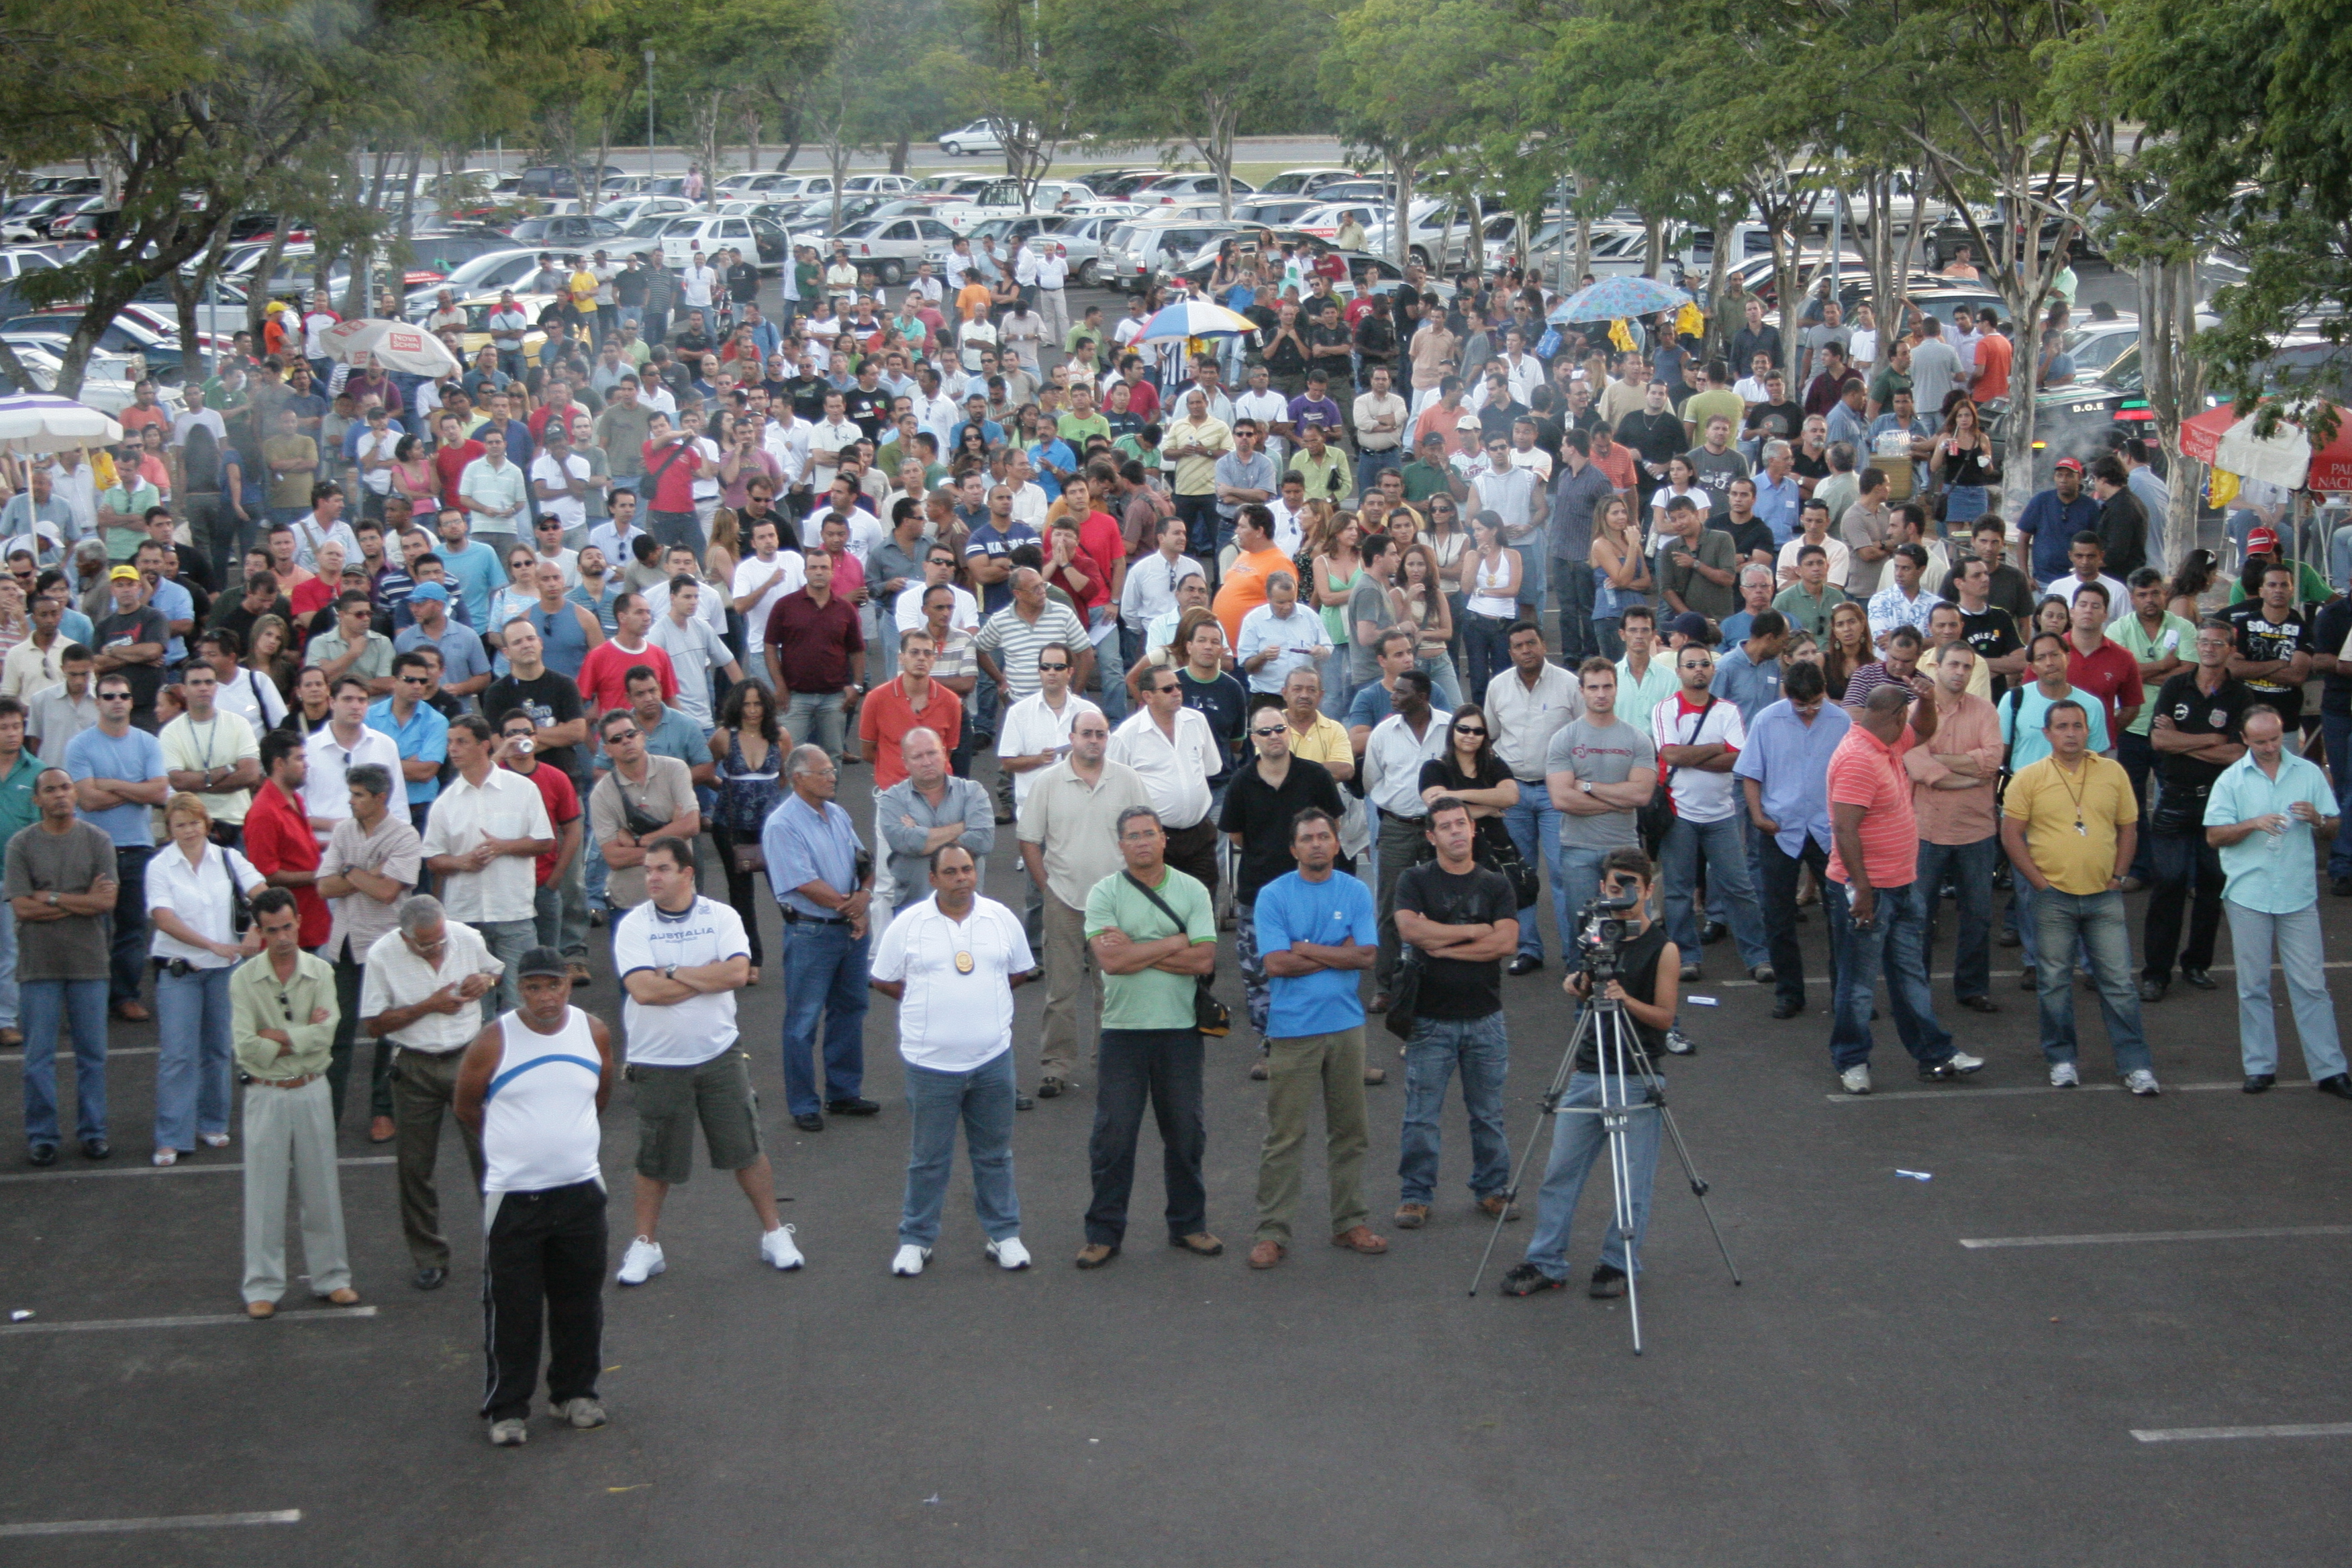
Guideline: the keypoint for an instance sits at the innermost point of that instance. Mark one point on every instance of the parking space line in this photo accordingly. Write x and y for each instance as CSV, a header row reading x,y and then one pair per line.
x,y
207,1320
172,1170
1962,1092
2121,1237
1993,974
112,1051
178,1521
2204,1434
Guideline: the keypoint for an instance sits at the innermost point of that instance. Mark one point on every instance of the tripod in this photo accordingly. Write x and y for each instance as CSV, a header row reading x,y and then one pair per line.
x,y
1619,1055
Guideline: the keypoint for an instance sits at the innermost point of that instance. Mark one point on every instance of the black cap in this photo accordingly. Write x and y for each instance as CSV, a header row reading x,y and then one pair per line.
x,y
542,961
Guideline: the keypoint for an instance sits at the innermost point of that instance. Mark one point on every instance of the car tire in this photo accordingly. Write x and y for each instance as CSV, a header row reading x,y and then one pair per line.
x,y
1086,274
891,274
1419,256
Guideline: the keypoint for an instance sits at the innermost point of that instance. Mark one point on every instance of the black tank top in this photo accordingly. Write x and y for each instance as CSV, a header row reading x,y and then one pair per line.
x,y
1638,970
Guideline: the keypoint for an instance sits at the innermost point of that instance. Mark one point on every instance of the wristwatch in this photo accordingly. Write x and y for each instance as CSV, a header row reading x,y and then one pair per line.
x,y
669,971
1584,785
53,898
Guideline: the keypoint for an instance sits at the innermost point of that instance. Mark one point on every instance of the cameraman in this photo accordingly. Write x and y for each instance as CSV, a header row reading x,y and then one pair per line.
x,y
1648,968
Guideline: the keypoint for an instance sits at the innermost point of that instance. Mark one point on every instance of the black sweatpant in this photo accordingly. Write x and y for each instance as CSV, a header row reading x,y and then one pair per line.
x,y
544,1266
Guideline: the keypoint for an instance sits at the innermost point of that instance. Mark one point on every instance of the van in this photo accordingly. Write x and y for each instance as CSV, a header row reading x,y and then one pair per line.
x,y
1138,252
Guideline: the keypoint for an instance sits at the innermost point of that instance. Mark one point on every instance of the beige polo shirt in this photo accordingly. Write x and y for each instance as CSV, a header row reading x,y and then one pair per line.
x,y
1076,824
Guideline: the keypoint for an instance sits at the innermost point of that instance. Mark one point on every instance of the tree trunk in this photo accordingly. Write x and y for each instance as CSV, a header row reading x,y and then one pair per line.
x,y
1400,225
791,150
2174,379
1653,249
256,301
750,138
898,151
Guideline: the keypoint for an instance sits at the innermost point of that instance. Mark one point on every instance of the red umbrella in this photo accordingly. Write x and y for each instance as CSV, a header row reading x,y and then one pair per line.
x,y
2202,438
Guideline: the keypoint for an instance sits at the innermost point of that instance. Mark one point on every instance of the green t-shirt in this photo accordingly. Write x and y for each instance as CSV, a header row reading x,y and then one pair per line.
x,y
1152,999
2310,588
1423,480
1076,431
2176,637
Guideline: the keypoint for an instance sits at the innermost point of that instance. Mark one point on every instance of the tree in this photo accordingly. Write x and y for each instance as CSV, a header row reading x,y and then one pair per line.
x,y
1454,45
992,62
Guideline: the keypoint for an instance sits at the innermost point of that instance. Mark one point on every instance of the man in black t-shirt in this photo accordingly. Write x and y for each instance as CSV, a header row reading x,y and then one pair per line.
x,y
2273,646
1463,920
2196,734
131,642
1985,625
1262,804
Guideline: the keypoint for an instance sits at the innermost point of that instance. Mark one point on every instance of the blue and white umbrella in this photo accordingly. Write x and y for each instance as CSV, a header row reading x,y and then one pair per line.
x,y
1613,299
1195,319
43,422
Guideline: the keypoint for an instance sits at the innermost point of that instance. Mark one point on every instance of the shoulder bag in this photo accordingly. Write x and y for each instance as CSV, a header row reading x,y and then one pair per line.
x,y
1209,1015
1658,816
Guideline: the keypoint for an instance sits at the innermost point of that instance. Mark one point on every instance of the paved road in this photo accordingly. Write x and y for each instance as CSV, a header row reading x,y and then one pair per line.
x,y
1877,1392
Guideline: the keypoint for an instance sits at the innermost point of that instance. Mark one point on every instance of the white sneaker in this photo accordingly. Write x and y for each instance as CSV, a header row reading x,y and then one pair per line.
x,y
1008,1253
509,1433
910,1260
641,1262
2063,1076
2142,1082
1856,1079
1961,1062
777,1247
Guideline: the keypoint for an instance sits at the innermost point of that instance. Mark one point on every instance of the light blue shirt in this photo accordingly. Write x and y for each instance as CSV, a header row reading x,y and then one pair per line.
x,y
1750,688
2021,712
424,738
173,603
462,656
1779,505
477,574
2272,873
135,755
802,847
1292,908
75,626
1789,760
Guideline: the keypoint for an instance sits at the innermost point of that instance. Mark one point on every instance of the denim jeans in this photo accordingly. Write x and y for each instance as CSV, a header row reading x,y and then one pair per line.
x,y
1200,515
1444,688
508,941
1609,637
2295,936
2097,921
1370,466
2137,754
1534,826
1971,865
1892,945
129,961
78,1006
7,964
1574,580
1338,689
1487,649
1724,852
1576,1143
2335,729
1532,551
670,528
982,1099
1781,876
2183,860
824,979
192,1063
815,717
1163,1066
1481,1047
1579,884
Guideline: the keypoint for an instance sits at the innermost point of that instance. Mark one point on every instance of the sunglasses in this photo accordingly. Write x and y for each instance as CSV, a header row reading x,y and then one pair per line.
x,y
1469,728
114,697
1275,730
1042,665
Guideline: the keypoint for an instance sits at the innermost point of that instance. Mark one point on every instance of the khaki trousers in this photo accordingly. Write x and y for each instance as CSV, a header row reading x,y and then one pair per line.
x,y
290,1132
422,1088
1298,1070
1068,968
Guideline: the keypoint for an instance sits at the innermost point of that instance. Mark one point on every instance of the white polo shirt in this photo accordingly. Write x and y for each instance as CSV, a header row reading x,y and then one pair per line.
x,y
503,806
954,1018
1175,771
398,978
1031,726
687,1033
325,794
1524,721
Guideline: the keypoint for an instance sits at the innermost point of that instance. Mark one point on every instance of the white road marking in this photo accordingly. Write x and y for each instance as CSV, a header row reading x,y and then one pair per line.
x,y
179,1521
207,1321
1960,1091
2013,974
189,1170
2119,1238
2202,1433
66,1055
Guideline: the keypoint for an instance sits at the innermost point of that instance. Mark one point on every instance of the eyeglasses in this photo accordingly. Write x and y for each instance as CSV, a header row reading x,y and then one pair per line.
x,y
622,735
114,697
416,680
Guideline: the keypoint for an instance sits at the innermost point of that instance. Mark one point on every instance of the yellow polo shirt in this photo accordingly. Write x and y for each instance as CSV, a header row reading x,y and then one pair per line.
x,y
2046,797
1325,743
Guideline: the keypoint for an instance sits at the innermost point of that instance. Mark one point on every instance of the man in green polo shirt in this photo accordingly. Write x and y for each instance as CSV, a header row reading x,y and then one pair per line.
x,y
1153,932
18,811
1427,474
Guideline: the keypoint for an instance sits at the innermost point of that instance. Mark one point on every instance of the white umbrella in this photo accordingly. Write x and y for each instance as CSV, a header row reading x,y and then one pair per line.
x,y
42,422
394,345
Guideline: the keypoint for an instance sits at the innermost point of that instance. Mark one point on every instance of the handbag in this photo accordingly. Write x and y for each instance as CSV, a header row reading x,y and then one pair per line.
x,y
1209,1016
1404,994
240,908
1502,855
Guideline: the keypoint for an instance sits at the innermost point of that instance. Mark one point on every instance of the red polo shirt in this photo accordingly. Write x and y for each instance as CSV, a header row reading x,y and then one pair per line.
x,y
450,462
2111,675
887,715
562,803
278,837
1864,771
814,641
604,676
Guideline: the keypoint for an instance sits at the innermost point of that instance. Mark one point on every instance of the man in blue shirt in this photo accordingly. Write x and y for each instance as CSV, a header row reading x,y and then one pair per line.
x,y
119,779
1783,775
415,726
474,567
465,667
1316,932
2051,519
824,880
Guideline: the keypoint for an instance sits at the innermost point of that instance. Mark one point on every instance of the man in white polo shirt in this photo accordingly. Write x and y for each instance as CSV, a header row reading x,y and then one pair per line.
x,y
681,958
483,838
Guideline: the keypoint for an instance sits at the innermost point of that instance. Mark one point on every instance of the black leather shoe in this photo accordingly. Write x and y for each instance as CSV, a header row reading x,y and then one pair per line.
x,y
809,1121
1024,1102
1715,932
430,1278
2008,939
1787,1009
2259,1083
853,1107
41,1155
2029,979
97,1149
1049,1089
1523,964
2339,1086
2199,978
1980,1004
2153,990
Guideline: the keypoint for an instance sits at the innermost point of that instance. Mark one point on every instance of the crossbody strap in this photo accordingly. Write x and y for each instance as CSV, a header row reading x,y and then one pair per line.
x,y
1158,902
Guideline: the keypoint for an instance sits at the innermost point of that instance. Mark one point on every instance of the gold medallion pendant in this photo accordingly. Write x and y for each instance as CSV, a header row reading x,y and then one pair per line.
x,y
963,964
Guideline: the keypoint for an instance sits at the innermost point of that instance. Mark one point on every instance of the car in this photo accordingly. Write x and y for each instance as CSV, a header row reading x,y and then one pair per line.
x,y
948,187
774,185
1325,219
890,247
1279,211
1379,191
1173,187
68,184
971,140
484,274
108,381
1438,235
878,184
627,210
1304,181
1614,250
564,229
29,217
759,239
17,260
1140,248
557,180
1384,272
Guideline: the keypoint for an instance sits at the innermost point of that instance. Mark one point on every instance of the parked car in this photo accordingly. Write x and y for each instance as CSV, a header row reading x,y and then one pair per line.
x,y
107,380
484,274
1172,187
1304,181
1140,248
566,229
557,180
1282,211
475,333
1117,184
971,140
1003,198
878,184
892,245
948,187
627,210
759,239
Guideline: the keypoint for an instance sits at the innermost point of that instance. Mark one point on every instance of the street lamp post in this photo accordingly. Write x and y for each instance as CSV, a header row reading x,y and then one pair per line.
x,y
649,114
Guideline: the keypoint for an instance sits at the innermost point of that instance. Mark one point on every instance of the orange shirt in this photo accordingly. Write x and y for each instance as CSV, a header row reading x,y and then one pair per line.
x,y
886,716
1994,355
1865,771
1245,589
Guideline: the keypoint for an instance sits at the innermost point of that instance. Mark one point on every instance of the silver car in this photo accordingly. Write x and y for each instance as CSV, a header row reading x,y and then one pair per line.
x,y
891,246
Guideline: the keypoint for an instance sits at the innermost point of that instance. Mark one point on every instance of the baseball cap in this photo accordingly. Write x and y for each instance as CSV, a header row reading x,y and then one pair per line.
x,y
123,574
2261,542
1690,623
429,590
2072,464
1467,422
541,961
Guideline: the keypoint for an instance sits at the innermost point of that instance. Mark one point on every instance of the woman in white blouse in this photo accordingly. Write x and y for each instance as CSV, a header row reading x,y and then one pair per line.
x,y
193,911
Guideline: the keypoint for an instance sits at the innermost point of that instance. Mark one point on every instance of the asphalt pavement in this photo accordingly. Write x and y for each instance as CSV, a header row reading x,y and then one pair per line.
x,y
1878,1391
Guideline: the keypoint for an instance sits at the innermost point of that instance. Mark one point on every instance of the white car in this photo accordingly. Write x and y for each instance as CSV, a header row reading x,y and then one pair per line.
x,y
484,274
971,140
1305,182
1002,198
757,237
629,209
890,246
876,185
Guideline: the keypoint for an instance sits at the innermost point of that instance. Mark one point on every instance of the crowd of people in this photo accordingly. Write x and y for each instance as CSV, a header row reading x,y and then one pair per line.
x,y
350,703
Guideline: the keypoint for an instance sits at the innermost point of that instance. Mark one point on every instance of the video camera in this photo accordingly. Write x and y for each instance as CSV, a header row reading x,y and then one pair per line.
x,y
1600,931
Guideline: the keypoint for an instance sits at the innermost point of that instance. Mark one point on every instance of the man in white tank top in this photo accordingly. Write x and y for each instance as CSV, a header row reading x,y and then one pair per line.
x,y
532,1087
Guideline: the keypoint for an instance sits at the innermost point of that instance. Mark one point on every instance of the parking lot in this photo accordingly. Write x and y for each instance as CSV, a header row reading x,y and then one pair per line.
x,y
1882,1389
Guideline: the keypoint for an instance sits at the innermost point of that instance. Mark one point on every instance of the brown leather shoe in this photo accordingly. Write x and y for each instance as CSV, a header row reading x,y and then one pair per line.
x,y
259,1309
132,1012
1094,1254
1200,1244
1266,1254
1360,1238
346,1297
1375,1076
11,1038
1492,1204
578,975
382,1131
1411,1217
1258,1073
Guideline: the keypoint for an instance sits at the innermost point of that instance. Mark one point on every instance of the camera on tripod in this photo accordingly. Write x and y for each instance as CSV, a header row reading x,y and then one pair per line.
x,y
1600,931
